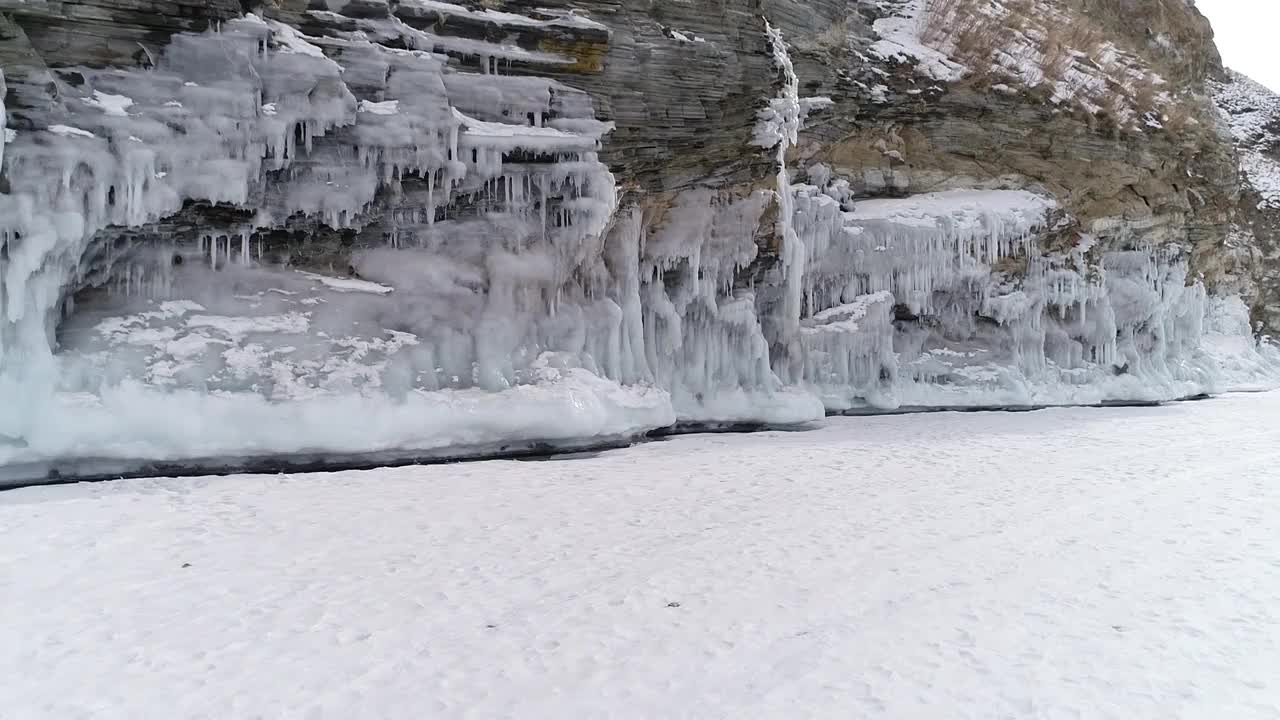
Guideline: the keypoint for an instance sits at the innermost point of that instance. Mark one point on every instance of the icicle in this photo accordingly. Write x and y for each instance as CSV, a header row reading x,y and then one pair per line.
x,y
778,128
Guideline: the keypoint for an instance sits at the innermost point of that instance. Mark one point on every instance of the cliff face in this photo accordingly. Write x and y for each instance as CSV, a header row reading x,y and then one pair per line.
x,y
1252,116
466,217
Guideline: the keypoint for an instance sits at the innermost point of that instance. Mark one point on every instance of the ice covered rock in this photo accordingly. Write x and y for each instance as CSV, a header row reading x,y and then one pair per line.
x,y
488,224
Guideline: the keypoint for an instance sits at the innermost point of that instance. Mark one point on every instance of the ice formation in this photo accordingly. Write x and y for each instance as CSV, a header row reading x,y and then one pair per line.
x,y
498,291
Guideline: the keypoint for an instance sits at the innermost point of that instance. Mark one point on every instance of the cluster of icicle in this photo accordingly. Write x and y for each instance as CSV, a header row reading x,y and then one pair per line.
x,y
254,115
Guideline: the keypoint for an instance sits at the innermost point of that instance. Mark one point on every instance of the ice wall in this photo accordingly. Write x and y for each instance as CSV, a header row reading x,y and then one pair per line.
x,y
406,240
488,183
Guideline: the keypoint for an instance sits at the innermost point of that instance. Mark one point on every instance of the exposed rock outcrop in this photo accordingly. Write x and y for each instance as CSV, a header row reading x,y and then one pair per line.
x,y
1252,114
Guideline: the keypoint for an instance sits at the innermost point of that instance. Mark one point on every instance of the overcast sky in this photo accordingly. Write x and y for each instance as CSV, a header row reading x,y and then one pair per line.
x,y
1248,34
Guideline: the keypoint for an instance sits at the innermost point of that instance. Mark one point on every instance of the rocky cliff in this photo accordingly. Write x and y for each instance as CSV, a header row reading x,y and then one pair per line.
x,y
1252,115
260,228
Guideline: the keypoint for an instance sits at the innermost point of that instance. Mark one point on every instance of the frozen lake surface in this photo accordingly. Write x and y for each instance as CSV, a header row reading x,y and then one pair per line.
x,y
1098,563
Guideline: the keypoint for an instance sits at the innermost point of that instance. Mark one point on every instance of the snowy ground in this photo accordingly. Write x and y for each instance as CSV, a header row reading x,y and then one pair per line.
x,y
1068,563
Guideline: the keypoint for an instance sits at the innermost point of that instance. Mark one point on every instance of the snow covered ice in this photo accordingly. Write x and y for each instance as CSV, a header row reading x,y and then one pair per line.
x,y
1109,564
270,238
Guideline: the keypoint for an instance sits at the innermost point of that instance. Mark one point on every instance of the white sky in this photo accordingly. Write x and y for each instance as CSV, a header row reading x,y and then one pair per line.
x,y
1247,36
